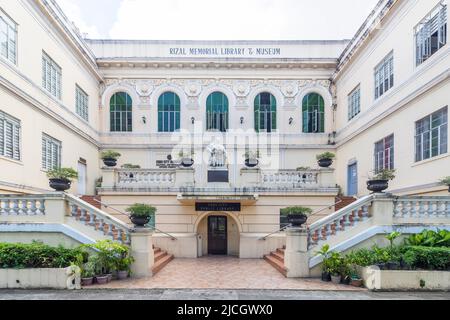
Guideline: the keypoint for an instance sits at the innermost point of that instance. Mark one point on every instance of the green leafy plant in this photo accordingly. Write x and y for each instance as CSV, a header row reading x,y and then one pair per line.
x,y
141,210
429,238
335,263
392,236
62,173
110,154
131,166
325,252
296,210
427,258
185,154
251,154
111,256
445,181
384,174
326,156
303,168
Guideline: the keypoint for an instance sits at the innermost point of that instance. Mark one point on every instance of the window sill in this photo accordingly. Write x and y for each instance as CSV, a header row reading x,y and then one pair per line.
x,y
19,162
440,157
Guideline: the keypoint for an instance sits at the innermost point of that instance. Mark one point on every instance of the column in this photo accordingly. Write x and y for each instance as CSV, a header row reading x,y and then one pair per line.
x,y
142,252
296,257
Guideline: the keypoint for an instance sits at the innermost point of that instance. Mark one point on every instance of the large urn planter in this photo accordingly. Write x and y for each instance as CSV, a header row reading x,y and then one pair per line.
x,y
251,163
110,162
60,184
140,221
141,214
325,163
187,162
297,220
377,186
325,160
296,216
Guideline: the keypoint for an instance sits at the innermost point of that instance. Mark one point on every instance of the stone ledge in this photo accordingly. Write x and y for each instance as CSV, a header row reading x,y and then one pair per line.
x,y
37,279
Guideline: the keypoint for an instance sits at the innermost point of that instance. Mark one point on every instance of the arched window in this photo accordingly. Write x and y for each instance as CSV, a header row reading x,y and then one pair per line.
x,y
169,112
265,112
217,112
313,113
121,113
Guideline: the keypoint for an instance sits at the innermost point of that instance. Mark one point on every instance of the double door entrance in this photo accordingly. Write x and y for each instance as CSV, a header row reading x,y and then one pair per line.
x,y
217,235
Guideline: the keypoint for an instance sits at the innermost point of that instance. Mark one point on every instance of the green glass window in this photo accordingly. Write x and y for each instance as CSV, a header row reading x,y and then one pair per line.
x,y
217,112
169,112
313,113
121,112
265,112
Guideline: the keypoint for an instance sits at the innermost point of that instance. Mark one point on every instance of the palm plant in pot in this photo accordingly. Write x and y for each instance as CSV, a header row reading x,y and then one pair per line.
x,y
446,181
335,267
186,158
110,157
380,181
141,214
325,160
252,158
325,252
60,179
296,216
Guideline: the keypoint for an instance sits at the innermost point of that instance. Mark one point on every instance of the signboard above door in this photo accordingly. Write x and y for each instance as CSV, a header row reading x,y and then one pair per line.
x,y
216,207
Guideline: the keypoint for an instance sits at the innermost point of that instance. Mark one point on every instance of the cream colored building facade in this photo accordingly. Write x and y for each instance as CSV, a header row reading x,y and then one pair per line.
x,y
379,100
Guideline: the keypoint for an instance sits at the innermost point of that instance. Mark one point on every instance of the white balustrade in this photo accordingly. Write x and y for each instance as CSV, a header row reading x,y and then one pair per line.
x,y
421,207
22,206
339,221
142,178
290,178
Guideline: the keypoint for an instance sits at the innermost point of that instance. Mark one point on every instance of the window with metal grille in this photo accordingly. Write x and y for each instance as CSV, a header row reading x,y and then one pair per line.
x,y
217,112
51,76
265,112
354,103
169,112
432,135
10,136
313,113
384,154
384,76
8,38
51,153
82,103
431,33
121,112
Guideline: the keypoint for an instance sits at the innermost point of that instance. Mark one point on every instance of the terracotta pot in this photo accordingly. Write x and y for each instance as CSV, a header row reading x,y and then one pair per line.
x,y
110,162
356,283
60,184
122,275
377,186
325,163
87,281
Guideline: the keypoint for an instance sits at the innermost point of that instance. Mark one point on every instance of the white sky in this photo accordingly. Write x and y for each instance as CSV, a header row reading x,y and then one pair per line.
x,y
218,19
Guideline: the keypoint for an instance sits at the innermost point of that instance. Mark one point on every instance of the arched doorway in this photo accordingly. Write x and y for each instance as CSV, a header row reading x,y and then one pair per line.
x,y
219,234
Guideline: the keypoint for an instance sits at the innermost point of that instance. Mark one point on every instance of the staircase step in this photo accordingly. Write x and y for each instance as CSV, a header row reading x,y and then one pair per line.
x,y
159,255
278,255
156,250
281,251
91,201
277,264
161,263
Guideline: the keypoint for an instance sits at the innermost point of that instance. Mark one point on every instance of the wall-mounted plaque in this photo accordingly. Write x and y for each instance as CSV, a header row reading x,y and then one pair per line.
x,y
200,206
218,176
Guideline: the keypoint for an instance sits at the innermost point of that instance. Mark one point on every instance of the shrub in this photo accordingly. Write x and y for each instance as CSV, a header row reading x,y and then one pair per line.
x,y
295,210
252,154
111,256
326,155
429,238
141,210
303,168
109,154
384,174
131,166
62,173
427,258
445,180
37,255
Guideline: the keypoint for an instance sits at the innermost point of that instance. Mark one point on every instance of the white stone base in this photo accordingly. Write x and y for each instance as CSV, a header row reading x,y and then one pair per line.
x,y
376,279
35,279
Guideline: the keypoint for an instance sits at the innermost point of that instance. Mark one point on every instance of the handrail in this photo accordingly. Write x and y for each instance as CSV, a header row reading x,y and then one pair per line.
x,y
282,229
355,205
123,213
325,208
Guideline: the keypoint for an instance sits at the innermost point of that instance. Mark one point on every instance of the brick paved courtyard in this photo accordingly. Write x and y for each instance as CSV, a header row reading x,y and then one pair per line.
x,y
223,273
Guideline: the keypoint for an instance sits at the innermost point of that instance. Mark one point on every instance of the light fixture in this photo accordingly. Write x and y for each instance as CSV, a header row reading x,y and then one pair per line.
x,y
193,120
144,119
242,120
291,120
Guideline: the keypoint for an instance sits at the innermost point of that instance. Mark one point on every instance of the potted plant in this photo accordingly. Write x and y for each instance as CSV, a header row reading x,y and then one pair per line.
x,y
251,158
110,157
130,166
325,252
141,214
186,158
380,181
296,216
325,160
61,178
355,279
87,274
446,181
335,265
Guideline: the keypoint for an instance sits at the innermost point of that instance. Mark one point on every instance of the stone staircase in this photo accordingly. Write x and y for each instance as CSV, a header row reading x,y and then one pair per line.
x,y
162,258
344,202
276,259
91,201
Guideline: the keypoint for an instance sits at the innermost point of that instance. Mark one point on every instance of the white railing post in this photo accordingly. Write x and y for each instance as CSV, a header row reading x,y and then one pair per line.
x,y
184,178
296,256
326,178
109,178
142,252
250,177
382,210
56,209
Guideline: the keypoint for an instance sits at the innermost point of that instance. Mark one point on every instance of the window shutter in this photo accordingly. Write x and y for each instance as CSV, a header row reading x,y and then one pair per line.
x,y
2,137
